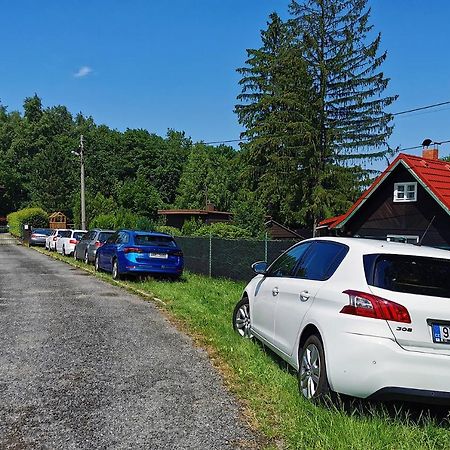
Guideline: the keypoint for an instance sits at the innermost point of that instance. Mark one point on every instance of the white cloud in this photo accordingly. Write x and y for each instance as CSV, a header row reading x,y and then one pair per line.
x,y
82,72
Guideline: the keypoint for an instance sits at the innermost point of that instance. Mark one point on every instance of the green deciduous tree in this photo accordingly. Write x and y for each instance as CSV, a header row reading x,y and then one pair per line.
x,y
208,177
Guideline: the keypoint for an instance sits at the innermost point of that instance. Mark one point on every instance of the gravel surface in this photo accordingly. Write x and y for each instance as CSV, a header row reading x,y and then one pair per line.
x,y
86,365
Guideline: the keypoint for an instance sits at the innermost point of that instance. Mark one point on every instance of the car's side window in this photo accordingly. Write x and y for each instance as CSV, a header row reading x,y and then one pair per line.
x,y
123,238
85,237
321,261
286,263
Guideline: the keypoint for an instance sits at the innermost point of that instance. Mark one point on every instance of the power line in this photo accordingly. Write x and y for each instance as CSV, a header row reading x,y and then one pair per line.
x,y
420,146
420,108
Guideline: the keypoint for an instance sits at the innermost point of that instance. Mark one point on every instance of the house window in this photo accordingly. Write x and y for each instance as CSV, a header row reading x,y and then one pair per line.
x,y
405,192
402,238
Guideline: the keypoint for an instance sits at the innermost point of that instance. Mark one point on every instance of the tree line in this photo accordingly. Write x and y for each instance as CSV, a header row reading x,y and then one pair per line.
x,y
313,112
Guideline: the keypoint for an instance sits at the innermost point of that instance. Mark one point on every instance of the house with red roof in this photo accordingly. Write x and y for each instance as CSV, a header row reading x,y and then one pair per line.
x,y
408,202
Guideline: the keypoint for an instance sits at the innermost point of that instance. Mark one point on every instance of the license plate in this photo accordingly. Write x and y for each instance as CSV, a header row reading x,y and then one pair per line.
x,y
159,255
441,333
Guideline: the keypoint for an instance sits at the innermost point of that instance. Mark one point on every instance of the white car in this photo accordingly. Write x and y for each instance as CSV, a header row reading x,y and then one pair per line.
x,y
66,244
354,316
50,241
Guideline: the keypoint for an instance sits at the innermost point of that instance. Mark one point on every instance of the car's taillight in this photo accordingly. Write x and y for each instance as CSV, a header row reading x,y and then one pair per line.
x,y
177,253
133,250
98,244
369,305
34,236
73,241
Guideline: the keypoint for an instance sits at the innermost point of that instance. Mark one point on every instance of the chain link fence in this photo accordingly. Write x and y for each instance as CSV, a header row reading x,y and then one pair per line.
x,y
228,258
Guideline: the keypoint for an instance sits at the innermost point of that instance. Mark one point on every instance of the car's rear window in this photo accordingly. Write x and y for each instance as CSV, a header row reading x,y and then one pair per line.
x,y
78,235
157,241
45,231
409,274
104,235
65,233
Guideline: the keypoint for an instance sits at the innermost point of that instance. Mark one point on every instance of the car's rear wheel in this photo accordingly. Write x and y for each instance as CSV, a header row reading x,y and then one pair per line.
x,y
86,257
115,270
241,318
312,373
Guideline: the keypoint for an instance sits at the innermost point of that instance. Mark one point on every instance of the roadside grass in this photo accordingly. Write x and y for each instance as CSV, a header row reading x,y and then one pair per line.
x,y
268,390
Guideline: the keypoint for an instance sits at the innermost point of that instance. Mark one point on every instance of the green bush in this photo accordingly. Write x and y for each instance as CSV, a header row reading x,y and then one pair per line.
x,y
105,221
168,230
191,226
223,230
123,218
35,217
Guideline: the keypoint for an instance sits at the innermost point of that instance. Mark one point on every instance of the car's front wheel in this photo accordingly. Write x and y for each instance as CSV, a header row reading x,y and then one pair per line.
x,y
241,318
97,263
312,373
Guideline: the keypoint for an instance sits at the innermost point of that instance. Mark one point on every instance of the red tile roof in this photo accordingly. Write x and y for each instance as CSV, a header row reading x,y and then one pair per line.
x,y
433,174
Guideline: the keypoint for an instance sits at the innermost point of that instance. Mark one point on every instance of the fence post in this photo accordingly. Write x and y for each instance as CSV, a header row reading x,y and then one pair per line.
x,y
265,248
210,253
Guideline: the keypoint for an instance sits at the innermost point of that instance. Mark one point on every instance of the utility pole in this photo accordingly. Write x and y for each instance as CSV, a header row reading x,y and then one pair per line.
x,y
83,201
80,154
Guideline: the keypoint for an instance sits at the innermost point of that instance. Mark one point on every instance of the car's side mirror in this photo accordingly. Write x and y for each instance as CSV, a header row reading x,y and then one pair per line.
x,y
260,267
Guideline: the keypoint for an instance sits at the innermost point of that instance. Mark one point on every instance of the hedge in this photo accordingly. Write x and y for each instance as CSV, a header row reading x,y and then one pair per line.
x,y
35,217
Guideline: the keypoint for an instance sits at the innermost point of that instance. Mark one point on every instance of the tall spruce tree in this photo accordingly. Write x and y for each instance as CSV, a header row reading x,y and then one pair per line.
x,y
275,109
332,36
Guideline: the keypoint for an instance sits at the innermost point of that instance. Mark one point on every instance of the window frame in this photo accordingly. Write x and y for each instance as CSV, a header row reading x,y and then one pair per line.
x,y
405,199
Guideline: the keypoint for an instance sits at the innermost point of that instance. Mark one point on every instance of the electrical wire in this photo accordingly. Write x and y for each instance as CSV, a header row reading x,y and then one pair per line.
x,y
421,108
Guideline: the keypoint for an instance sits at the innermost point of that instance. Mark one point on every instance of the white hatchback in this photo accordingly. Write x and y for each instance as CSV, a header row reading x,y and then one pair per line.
x,y
57,233
66,243
354,316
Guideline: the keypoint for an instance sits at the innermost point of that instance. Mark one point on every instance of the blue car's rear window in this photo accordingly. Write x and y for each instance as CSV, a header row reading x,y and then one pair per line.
x,y
157,241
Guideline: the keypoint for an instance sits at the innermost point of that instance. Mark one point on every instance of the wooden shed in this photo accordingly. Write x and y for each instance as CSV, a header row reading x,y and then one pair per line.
x,y
58,220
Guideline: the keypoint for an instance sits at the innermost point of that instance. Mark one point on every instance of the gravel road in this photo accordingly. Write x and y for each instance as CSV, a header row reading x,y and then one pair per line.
x,y
86,365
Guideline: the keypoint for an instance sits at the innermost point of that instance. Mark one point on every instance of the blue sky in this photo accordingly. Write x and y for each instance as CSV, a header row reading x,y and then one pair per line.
x,y
160,64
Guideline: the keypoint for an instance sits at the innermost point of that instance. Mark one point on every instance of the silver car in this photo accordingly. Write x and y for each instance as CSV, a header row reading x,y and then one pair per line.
x,y
87,247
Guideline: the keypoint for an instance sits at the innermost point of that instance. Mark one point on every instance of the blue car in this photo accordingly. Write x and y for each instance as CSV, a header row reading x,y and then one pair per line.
x,y
140,252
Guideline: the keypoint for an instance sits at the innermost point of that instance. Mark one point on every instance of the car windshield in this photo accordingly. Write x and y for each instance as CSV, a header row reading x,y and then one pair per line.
x,y
157,241
64,233
411,274
103,236
78,235
45,231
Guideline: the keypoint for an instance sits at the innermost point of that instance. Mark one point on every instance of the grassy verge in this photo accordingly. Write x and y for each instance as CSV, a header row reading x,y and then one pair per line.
x,y
268,391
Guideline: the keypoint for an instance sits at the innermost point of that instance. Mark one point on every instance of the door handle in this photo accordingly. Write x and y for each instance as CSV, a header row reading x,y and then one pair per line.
x,y
275,291
304,296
